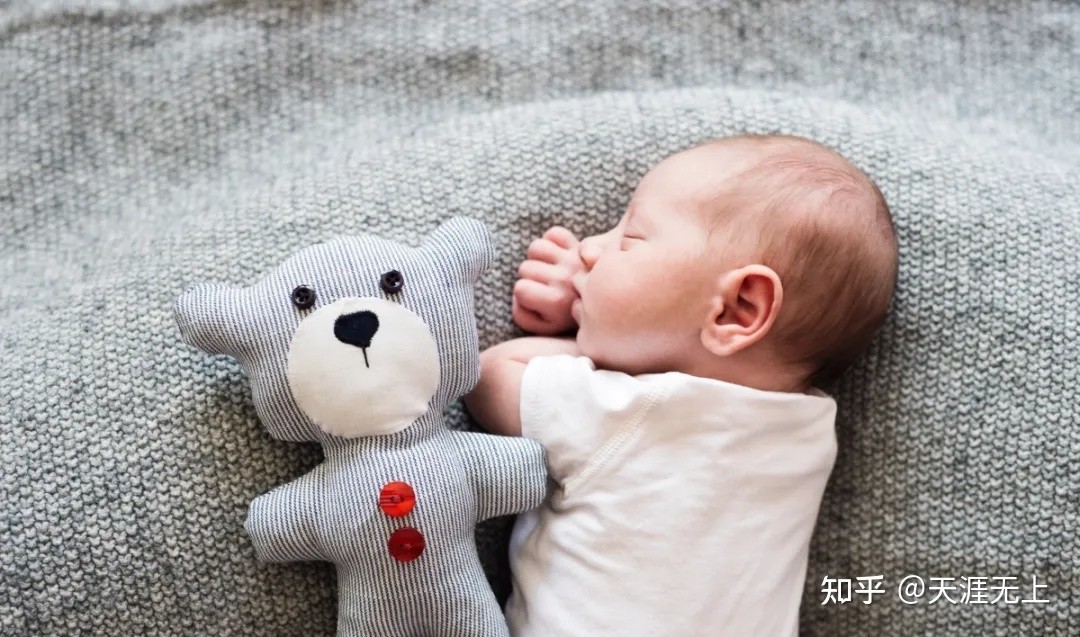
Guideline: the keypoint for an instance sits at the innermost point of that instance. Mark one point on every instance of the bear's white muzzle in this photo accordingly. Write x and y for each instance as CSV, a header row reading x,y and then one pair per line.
x,y
363,367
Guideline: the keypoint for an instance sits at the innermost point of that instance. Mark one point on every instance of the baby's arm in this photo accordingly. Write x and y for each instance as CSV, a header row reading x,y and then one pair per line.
x,y
495,403
541,305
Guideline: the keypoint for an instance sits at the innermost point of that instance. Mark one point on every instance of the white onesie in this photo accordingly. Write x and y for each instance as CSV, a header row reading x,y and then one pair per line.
x,y
684,506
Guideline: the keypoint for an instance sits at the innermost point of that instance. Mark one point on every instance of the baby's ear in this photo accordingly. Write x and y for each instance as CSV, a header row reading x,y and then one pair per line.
x,y
744,309
466,245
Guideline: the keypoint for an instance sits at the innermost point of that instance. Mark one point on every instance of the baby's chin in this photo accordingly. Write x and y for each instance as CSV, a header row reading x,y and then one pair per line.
x,y
585,344
603,357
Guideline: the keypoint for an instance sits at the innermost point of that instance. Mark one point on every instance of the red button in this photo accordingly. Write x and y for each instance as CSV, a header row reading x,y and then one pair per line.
x,y
406,544
397,499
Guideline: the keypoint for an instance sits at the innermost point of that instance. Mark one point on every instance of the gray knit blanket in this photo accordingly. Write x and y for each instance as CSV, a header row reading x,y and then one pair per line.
x,y
147,145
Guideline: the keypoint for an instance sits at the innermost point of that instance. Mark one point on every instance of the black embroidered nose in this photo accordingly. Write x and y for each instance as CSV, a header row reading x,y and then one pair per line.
x,y
357,328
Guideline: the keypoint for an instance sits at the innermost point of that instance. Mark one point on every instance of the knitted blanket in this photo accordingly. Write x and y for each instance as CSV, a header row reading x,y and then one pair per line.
x,y
151,144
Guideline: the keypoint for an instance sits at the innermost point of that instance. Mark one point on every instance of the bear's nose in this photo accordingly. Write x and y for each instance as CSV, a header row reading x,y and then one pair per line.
x,y
357,328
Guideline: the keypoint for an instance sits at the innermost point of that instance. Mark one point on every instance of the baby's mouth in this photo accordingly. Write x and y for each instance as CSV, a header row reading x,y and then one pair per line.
x,y
577,283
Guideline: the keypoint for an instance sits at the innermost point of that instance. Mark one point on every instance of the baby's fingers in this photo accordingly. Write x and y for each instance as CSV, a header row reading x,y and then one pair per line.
x,y
529,320
544,250
561,237
537,297
540,271
541,309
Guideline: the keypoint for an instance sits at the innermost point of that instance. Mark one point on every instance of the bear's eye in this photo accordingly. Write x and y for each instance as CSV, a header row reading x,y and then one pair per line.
x,y
303,296
391,282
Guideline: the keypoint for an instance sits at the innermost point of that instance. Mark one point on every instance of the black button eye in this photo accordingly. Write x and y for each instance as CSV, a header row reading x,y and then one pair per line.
x,y
391,282
303,296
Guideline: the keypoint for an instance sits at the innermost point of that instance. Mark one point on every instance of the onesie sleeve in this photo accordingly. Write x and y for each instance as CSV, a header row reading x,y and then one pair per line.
x,y
574,409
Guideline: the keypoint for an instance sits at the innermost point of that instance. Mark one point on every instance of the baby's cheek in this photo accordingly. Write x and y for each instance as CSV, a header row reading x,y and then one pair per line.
x,y
627,309
616,292
641,289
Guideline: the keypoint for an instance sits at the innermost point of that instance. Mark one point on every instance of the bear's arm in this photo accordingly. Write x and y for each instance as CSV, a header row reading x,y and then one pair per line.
x,y
508,474
280,522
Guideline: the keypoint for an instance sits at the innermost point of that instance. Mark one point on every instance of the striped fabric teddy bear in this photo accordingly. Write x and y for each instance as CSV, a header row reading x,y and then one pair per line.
x,y
359,344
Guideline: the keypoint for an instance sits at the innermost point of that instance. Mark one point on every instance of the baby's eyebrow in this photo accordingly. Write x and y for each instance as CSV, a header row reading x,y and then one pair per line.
x,y
641,222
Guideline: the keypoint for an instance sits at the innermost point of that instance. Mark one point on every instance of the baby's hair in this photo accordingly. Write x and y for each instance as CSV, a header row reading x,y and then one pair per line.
x,y
825,228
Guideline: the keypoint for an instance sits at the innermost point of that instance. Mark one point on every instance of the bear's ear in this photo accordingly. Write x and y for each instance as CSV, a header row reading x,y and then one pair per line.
x,y
466,242
208,315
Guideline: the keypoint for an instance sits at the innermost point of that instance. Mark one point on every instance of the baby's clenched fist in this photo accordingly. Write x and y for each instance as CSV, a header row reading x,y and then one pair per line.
x,y
544,291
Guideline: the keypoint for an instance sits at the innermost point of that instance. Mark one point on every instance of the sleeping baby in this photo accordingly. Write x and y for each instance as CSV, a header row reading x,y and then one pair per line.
x,y
685,431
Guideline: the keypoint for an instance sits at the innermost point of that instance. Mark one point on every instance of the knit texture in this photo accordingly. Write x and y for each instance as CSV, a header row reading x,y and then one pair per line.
x,y
151,145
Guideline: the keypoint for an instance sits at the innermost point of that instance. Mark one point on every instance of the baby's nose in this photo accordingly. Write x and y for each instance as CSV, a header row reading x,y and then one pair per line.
x,y
589,250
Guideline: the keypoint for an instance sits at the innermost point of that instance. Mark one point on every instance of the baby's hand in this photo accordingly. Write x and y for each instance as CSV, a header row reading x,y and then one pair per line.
x,y
544,293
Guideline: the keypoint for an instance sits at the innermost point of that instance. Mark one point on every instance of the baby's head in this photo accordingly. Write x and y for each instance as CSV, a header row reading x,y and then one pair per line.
x,y
767,261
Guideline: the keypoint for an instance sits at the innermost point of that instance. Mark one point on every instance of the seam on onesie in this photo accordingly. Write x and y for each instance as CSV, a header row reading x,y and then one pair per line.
x,y
618,441
527,405
535,406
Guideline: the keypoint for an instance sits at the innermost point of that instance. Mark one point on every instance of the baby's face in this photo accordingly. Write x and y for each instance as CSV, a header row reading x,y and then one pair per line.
x,y
648,281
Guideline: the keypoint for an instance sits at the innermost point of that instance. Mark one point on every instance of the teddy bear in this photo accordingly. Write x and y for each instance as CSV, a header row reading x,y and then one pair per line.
x,y
359,344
